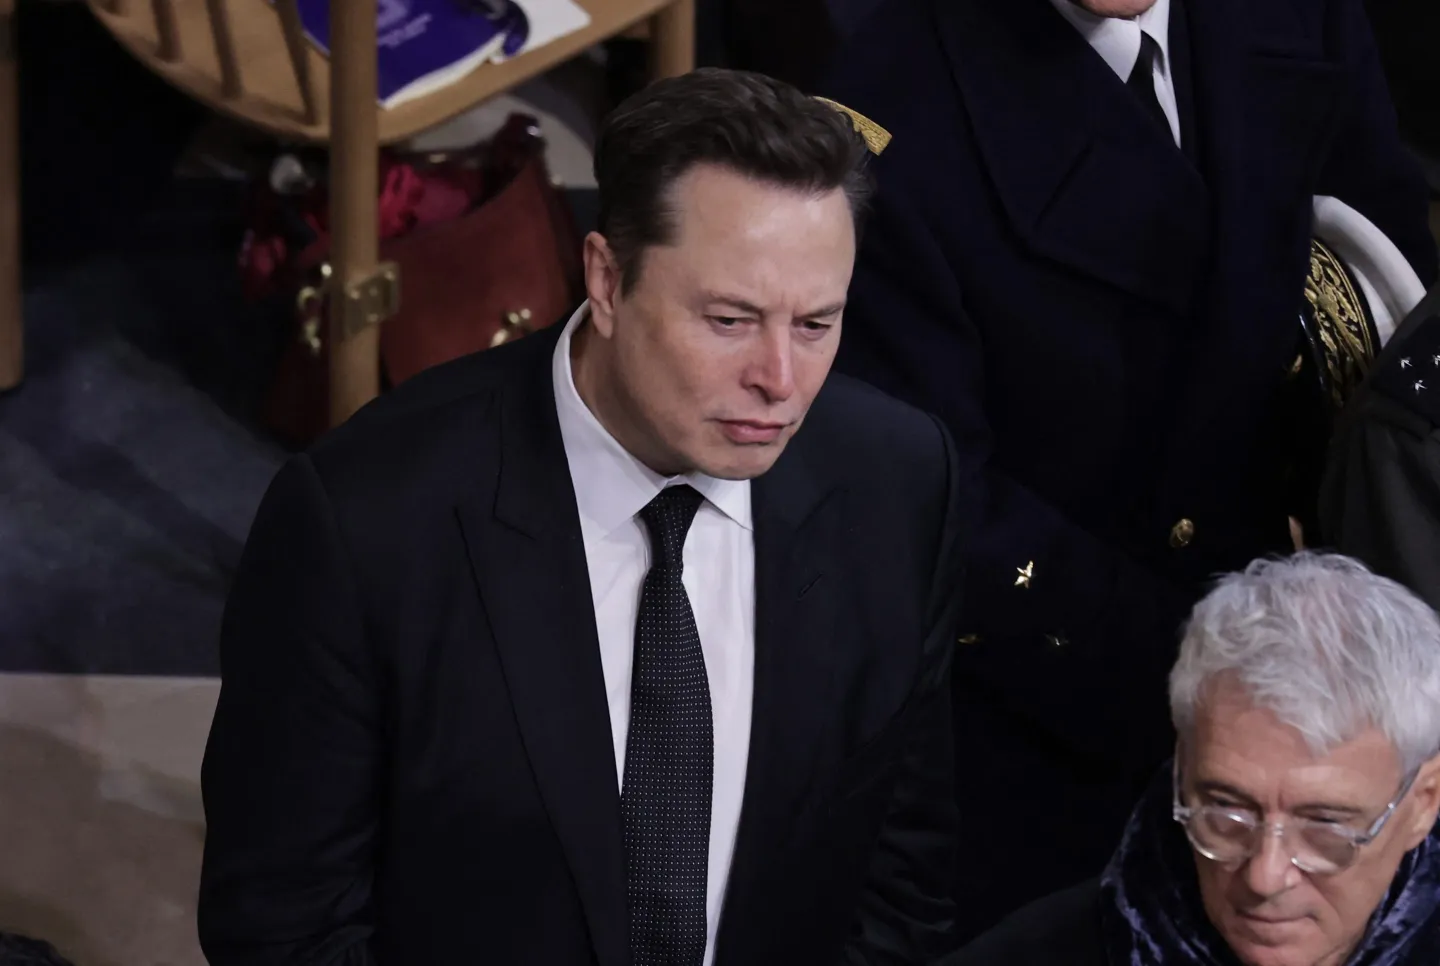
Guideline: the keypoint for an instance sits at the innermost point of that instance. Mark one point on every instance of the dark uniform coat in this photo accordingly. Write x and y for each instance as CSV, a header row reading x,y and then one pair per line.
x,y
1105,322
1380,501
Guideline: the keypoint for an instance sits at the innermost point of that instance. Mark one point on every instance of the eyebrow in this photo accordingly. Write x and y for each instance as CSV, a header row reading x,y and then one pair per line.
x,y
1229,791
712,298
825,312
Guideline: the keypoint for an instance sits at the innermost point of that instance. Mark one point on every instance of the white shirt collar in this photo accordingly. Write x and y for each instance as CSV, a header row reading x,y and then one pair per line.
x,y
1117,41
611,485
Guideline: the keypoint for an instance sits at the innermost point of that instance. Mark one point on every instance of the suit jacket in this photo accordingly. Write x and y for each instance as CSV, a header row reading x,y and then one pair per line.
x,y
411,759
1106,324
1063,928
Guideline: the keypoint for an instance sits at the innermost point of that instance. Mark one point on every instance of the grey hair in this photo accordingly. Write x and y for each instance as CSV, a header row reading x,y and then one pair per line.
x,y
1327,646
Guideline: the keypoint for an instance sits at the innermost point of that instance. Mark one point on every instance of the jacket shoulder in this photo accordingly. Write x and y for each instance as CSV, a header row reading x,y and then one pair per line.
x,y
421,424
893,459
1409,372
868,428
1061,928
892,70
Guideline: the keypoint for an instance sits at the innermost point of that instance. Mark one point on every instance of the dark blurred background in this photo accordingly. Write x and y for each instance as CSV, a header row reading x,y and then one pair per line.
x,y
100,140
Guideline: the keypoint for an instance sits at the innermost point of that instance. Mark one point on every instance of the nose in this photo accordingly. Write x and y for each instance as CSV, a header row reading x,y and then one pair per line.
x,y
771,371
1270,871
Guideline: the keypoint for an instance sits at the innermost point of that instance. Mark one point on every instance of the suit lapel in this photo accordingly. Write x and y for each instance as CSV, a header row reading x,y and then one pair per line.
x,y
1085,176
797,582
529,562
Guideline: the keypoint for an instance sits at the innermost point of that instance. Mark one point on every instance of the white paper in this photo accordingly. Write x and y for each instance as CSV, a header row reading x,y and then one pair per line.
x,y
552,19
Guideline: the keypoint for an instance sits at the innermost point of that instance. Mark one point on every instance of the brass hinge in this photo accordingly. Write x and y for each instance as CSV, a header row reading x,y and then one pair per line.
x,y
371,300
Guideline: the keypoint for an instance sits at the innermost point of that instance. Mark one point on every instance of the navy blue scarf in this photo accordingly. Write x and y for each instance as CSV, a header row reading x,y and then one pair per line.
x,y
1152,914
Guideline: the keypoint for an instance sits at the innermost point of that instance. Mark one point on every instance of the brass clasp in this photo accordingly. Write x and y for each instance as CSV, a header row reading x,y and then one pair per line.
x,y
371,300
513,326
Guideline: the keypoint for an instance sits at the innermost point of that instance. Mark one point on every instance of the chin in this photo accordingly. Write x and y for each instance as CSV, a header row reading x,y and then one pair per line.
x,y
725,459
747,469
1251,953
1116,8
1272,956
740,463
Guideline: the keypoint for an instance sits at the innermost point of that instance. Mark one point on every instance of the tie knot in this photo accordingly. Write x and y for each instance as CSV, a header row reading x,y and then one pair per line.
x,y
668,518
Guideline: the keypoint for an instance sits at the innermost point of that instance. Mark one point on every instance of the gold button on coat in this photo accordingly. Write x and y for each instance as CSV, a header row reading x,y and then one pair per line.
x,y
1182,533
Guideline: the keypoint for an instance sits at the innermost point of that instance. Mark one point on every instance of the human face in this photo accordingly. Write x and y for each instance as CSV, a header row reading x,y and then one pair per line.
x,y
1123,9
712,360
1269,911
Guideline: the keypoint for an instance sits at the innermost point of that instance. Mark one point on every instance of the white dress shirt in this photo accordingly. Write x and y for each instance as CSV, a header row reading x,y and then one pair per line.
x,y
1117,41
611,488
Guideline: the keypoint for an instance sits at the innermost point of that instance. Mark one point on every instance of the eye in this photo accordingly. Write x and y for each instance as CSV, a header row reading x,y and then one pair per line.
x,y
724,321
1229,806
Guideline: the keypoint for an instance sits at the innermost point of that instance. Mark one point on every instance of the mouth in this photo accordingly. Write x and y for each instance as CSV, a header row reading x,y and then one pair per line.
x,y
1270,923
751,431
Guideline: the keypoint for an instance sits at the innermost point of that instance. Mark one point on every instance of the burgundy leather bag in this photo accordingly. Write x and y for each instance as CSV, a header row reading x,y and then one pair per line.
x,y
506,267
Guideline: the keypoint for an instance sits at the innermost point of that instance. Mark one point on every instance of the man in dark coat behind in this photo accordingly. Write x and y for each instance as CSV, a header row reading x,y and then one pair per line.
x,y
1380,500
1087,256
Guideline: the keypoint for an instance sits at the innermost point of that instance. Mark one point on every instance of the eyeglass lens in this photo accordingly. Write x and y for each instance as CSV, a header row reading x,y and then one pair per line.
x,y
1227,836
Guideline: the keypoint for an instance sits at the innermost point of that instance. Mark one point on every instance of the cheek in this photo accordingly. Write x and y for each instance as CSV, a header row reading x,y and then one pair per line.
x,y
1215,886
813,366
1345,902
669,379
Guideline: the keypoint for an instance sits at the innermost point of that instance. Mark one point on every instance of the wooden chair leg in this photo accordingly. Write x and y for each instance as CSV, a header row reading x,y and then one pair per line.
x,y
672,33
354,186
299,50
12,326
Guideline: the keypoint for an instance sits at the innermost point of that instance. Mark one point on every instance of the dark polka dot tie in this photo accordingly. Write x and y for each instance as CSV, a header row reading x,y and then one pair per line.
x,y
669,754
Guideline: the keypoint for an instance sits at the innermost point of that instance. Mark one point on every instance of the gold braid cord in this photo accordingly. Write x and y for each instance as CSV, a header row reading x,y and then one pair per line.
x,y
1346,334
876,137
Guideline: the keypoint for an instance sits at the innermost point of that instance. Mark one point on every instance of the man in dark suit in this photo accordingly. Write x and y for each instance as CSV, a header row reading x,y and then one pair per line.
x,y
627,643
1091,232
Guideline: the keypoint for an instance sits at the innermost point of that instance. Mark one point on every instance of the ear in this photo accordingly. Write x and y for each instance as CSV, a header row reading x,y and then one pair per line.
x,y
1425,796
602,283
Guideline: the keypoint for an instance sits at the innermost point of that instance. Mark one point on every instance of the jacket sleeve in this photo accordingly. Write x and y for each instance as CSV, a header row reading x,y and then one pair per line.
x,y
1368,166
1380,501
906,910
1119,621
1380,496
292,765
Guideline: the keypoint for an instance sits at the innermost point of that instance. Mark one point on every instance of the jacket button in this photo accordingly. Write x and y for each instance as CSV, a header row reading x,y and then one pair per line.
x,y
1182,533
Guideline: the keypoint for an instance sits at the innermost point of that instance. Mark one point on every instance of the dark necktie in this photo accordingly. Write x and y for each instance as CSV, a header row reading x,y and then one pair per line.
x,y
1142,81
669,754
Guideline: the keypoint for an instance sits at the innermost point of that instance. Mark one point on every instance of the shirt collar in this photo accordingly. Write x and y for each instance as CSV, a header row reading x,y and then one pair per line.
x,y
611,485
1116,40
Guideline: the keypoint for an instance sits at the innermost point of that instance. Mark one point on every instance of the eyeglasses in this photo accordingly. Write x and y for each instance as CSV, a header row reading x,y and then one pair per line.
x,y
1231,835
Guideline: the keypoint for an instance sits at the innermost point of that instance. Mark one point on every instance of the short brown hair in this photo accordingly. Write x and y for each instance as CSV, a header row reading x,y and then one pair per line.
x,y
749,123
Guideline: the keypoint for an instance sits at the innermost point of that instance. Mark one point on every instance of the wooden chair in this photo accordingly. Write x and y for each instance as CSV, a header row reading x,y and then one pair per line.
x,y
249,59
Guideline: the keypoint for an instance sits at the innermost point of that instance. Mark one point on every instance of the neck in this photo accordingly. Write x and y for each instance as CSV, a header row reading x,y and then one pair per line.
x,y
592,368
